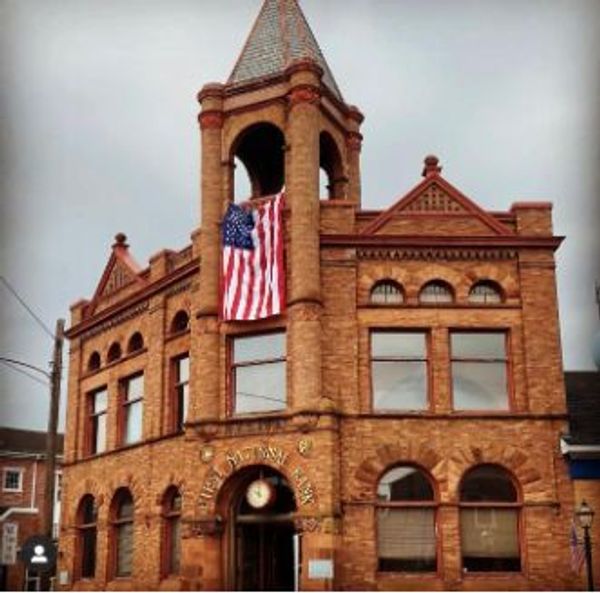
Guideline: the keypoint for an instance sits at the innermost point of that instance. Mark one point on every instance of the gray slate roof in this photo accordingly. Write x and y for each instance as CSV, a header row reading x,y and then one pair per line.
x,y
280,36
15,440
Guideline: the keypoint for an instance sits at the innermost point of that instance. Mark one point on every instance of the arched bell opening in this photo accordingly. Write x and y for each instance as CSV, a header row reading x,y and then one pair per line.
x,y
332,182
259,548
258,155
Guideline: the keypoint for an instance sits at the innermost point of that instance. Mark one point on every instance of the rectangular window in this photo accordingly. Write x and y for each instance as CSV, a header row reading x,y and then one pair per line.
x,y
133,398
399,370
12,480
258,373
479,370
181,371
98,402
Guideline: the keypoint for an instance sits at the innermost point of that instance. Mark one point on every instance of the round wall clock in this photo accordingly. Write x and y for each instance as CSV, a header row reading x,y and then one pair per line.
x,y
260,494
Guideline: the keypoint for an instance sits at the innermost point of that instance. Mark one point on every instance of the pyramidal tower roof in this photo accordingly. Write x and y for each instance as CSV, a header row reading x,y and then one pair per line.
x,y
280,36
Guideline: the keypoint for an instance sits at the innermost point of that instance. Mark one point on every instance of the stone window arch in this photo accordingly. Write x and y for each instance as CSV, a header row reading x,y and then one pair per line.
x,y
490,508
180,322
486,292
406,519
136,343
171,530
114,352
331,167
94,361
87,531
436,292
387,292
260,148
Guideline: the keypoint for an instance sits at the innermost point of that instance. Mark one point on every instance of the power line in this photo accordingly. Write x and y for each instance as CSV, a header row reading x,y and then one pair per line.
x,y
26,306
27,374
25,364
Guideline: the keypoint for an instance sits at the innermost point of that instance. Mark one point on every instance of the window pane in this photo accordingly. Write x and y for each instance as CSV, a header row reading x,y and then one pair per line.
x,y
135,387
183,369
260,387
404,483
388,293
99,401
478,345
435,292
406,539
133,422
124,549
12,480
399,385
88,513
485,292
489,539
398,344
488,483
99,438
88,552
479,386
263,347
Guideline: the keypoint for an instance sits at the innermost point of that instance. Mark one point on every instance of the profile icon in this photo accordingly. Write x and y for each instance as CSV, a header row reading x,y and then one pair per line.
x,y
39,555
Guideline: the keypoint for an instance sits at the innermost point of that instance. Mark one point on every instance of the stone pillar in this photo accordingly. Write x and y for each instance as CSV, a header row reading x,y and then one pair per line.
x,y
154,376
353,147
449,521
302,193
75,432
204,380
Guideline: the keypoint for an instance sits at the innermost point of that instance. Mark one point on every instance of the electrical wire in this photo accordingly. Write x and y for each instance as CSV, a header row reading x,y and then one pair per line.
x,y
26,306
27,374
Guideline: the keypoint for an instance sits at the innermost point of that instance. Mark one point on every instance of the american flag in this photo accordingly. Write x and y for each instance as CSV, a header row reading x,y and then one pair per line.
x,y
577,551
253,279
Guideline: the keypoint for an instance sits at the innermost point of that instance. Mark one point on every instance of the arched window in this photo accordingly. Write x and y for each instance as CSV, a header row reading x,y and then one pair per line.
x,y
122,533
94,361
436,292
114,352
86,536
171,531
485,292
331,170
180,322
406,521
136,342
489,521
387,292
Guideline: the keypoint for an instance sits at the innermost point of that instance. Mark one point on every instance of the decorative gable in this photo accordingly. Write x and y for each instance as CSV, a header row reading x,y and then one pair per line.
x,y
121,272
435,207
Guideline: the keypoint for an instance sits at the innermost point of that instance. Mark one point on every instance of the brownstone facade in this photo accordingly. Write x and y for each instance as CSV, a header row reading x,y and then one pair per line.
x,y
331,444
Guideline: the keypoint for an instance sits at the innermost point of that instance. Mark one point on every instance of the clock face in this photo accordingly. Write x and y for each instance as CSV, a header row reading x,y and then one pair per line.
x,y
259,494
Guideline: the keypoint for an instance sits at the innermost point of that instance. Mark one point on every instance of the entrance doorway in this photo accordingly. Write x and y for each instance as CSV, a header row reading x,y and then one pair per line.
x,y
262,532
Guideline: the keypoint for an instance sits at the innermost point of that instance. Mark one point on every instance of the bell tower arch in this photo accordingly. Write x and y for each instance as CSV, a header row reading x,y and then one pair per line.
x,y
282,117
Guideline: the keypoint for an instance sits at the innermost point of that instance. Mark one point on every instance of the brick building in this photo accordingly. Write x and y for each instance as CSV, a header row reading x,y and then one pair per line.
x,y
397,427
23,474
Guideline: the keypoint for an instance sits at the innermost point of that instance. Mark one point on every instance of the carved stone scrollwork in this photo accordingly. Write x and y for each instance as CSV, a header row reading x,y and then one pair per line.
x,y
304,94
307,524
354,141
210,120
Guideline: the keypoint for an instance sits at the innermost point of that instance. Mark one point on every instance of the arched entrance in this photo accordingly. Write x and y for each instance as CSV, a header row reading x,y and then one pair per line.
x,y
261,531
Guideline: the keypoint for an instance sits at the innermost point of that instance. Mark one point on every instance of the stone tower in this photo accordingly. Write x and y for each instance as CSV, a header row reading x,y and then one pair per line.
x,y
283,116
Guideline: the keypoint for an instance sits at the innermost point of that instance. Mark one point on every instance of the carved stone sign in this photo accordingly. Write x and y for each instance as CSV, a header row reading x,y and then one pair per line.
x,y
235,459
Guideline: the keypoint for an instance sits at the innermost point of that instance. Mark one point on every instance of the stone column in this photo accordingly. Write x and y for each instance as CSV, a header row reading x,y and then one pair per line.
x,y
205,342
302,193
353,147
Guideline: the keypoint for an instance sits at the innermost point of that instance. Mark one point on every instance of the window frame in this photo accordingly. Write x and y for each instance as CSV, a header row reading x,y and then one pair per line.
x,y
387,283
115,524
20,471
170,516
508,365
176,384
232,366
125,405
428,407
517,506
82,528
487,283
433,504
439,282
92,421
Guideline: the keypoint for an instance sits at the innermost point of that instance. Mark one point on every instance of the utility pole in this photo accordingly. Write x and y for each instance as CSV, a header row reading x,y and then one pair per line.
x,y
55,378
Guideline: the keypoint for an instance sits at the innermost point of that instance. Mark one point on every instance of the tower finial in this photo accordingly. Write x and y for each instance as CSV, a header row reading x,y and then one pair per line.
x,y
431,166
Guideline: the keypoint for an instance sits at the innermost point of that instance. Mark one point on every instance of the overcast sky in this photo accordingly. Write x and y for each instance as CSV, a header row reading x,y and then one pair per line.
x,y
99,133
